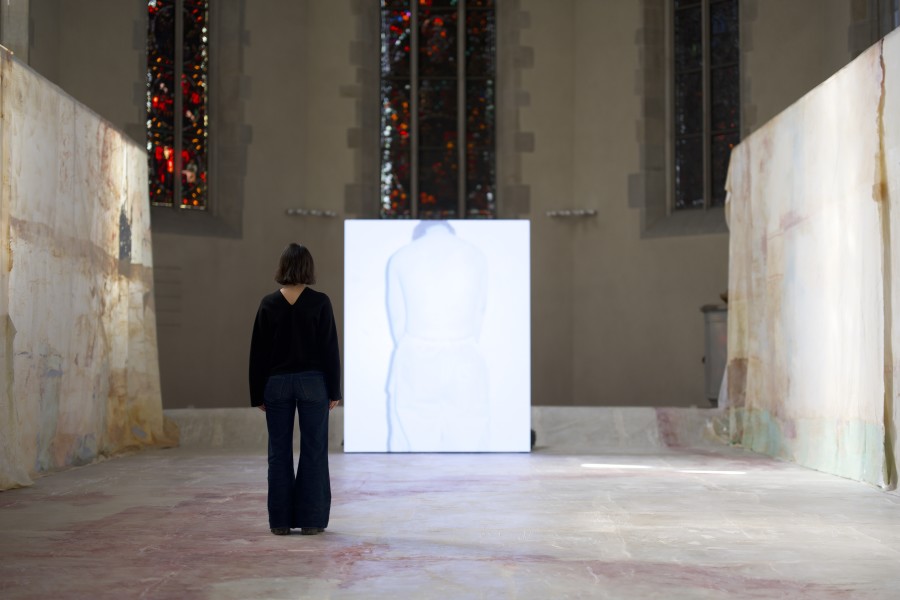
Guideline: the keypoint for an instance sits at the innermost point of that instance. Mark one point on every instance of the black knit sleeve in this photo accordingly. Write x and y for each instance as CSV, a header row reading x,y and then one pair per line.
x,y
260,350
331,352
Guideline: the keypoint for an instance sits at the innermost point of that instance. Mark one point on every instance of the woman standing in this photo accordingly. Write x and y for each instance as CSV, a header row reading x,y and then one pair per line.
x,y
295,365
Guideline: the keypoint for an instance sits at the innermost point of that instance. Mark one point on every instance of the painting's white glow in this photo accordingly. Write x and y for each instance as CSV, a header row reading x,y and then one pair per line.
x,y
708,472
645,467
437,353
606,466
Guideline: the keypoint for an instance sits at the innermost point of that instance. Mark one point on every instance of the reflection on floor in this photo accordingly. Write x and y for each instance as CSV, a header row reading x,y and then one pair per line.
x,y
192,524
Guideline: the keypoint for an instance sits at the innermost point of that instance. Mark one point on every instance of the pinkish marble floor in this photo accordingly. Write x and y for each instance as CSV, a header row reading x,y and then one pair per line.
x,y
192,524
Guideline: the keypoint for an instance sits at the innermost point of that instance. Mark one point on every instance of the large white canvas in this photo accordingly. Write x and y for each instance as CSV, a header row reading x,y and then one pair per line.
x,y
437,341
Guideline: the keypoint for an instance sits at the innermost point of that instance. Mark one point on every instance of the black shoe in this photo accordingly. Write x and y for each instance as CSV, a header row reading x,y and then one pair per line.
x,y
281,530
311,530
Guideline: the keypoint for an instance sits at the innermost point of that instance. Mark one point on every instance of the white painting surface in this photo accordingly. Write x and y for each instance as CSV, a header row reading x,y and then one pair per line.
x,y
437,336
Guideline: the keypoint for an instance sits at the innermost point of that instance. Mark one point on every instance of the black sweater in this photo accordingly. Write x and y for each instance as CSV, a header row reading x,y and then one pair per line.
x,y
292,338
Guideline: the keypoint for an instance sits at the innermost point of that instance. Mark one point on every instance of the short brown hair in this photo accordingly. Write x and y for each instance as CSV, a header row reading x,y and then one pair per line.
x,y
296,266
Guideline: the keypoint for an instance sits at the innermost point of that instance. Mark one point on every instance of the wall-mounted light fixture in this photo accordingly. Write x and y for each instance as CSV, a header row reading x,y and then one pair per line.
x,y
310,212
570,213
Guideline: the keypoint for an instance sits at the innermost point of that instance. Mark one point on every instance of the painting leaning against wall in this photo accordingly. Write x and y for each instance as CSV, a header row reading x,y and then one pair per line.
x,y
79,351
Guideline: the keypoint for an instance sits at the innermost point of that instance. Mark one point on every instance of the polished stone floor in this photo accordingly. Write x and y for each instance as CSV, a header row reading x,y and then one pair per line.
x,y
672,524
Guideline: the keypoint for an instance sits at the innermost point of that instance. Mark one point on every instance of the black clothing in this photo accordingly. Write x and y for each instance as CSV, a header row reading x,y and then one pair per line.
x,y
292,339
304,499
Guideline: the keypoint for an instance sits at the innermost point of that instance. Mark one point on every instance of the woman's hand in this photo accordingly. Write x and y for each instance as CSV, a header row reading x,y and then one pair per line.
x,y
332,404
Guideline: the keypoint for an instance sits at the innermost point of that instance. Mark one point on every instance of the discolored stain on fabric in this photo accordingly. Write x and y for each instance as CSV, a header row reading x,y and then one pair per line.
x,y
124,239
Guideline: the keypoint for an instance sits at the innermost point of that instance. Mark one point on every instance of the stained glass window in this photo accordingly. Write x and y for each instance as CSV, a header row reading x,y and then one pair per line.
x,y
437,109
887,16
706,58
178,50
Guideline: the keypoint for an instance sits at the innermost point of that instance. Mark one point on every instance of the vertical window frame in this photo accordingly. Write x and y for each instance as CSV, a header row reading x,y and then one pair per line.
x,y
461,210
888,16
178,132
706,102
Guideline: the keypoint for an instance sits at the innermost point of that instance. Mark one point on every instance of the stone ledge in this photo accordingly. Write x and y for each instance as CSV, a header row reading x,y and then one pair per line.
x,y
559,429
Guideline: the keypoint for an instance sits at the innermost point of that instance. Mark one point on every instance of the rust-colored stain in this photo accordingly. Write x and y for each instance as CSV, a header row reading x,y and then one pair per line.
x,y
667,429
791,219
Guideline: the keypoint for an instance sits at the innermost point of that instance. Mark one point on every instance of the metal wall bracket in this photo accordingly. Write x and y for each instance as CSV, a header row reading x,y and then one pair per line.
x,y
310,212
571,213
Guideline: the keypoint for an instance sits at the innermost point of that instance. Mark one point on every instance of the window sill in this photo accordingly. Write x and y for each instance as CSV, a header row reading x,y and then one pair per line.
x,y
686,222
193,222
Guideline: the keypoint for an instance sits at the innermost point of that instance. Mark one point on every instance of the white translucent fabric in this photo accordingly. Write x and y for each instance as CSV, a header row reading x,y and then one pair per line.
x,y
811,307
79,352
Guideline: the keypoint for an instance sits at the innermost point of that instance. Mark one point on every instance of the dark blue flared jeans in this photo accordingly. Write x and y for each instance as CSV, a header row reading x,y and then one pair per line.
x,y
303,500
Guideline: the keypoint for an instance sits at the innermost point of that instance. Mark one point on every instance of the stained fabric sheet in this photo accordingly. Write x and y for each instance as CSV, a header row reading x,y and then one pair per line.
x,y
811,280
78,348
